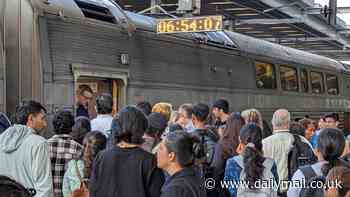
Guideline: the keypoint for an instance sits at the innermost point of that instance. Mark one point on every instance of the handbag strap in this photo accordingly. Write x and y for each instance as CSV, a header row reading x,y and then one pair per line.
x,y
78,172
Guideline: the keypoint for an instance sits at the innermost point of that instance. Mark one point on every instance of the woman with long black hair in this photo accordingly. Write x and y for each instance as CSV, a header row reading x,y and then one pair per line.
x,y
225,149
250,165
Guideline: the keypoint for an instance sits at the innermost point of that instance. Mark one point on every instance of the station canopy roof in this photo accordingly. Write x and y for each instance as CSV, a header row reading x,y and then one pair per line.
x,y
300,24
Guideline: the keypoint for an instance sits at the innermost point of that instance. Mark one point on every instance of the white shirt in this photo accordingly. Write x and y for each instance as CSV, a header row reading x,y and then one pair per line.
x,y
277,146
102,123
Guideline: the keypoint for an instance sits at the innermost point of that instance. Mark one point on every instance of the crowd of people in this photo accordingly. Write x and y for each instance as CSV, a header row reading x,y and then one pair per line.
x,y
157,151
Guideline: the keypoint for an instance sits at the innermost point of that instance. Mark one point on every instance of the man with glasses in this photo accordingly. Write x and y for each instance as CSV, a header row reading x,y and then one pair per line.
x,y
84,96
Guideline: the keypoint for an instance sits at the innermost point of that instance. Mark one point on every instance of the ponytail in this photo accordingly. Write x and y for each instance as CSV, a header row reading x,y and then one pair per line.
x,y
253,160
328,166
331,143
253,165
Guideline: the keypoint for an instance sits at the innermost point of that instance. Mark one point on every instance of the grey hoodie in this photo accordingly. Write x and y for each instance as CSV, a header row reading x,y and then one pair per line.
x,y
24,157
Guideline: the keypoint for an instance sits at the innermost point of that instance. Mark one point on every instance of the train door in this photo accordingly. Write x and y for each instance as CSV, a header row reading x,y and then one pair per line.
x,y
100,80
101,86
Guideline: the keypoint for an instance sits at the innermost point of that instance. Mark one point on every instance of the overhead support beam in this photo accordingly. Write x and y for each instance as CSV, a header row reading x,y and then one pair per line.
x,y
236,9
314,11
340,10
343,10
331,51
332,19
168,5
222,3
344,31
269,21
313,39
154,3
156,7
280,7
314,23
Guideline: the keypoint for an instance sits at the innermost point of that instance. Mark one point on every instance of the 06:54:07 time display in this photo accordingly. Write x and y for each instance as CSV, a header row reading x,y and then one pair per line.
x,y
196,24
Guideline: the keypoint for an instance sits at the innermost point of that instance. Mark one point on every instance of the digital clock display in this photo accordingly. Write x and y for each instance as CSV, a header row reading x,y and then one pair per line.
x,y
194,24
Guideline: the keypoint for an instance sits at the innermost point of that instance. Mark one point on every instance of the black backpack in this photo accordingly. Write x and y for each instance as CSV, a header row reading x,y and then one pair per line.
x,y
311,176
301,154
205,149
10,187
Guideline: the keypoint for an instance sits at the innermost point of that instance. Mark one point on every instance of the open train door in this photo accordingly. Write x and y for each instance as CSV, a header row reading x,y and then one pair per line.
x,y
112,81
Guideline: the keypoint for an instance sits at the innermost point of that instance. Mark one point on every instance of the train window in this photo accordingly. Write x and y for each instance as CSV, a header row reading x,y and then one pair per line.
x,y
265,75
332,84
316,82
304,79
289,78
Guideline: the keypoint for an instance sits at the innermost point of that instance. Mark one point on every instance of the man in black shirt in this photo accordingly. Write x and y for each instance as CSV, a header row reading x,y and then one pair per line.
x,y
84,96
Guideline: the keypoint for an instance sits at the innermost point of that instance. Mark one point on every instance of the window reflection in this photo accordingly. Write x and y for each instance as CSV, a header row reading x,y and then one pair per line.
x,y
289,78
316,82
304,81
332,84
265,75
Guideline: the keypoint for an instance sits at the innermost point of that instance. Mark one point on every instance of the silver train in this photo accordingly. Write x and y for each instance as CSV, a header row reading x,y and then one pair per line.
x,y
49,47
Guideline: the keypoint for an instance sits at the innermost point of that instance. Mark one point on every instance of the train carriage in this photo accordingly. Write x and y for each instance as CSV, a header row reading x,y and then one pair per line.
x,y
49,47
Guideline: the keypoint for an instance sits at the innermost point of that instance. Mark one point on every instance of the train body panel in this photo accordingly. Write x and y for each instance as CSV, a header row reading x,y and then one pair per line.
x,y
51,53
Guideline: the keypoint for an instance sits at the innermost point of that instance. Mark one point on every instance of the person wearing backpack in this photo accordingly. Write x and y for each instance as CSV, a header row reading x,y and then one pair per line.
x,y
80,168
250,166
207,142
280,145
207,137
301,153
330,146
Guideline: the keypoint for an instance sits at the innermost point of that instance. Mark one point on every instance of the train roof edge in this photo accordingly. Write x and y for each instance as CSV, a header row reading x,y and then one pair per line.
x,y
244,43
